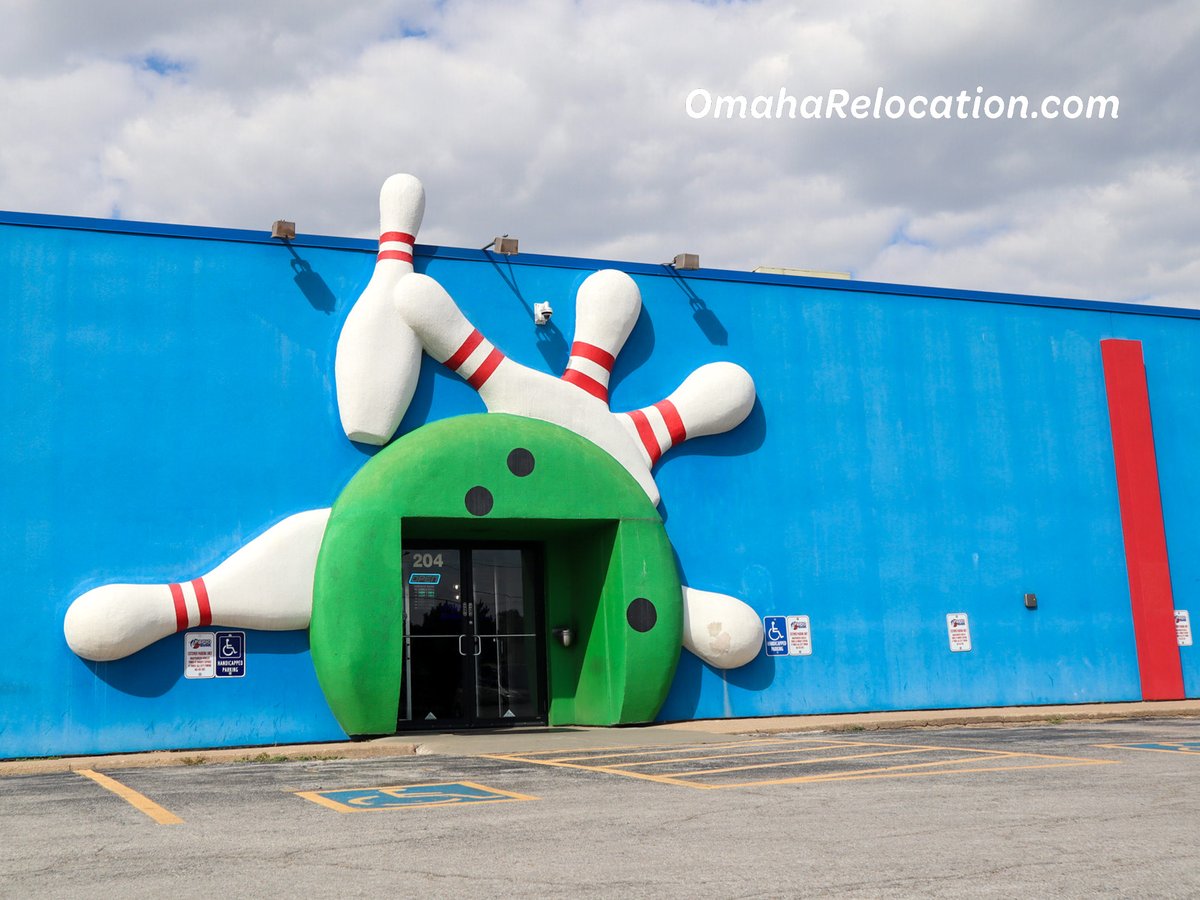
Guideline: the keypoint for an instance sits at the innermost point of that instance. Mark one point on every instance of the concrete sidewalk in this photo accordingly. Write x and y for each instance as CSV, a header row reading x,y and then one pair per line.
x,y
532,739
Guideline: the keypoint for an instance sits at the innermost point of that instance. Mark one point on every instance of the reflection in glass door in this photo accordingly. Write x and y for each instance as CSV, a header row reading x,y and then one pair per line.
x,y
473,646
436,625
506,662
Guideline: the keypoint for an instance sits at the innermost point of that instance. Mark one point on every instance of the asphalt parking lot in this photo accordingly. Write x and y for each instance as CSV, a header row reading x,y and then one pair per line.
x,y
1076,809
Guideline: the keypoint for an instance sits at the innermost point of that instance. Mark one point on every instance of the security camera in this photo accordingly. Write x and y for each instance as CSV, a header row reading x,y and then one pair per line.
x,y
542,313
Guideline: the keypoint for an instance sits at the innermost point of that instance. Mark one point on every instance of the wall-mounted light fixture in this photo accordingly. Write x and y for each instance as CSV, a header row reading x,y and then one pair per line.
x,y
503,244
685,262
283,229
564,635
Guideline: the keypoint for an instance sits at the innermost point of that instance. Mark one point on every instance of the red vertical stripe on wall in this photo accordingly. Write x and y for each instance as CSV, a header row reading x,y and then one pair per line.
x,y
1142,521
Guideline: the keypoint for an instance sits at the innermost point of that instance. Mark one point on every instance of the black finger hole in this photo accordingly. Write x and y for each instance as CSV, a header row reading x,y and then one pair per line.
x,y
641,615
520,462
479,501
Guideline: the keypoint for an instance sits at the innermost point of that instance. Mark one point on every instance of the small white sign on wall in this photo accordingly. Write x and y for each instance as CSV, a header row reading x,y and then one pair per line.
x,y
1183,628
960,632
799,636
199,654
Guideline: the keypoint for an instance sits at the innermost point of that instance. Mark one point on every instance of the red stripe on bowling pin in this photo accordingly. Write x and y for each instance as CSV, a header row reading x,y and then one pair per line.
x,y
598,355
398,236
485,370
202,603
181,611
183,616
401,255
586,383
596,386
644,421
395,237
645,434
673,422
459,358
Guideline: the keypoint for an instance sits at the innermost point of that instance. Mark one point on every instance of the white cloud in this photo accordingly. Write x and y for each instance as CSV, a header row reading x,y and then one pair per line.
x,y
1076,236
564,123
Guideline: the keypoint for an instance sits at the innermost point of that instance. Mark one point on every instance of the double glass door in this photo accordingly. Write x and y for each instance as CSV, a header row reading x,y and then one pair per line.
x,y
473,636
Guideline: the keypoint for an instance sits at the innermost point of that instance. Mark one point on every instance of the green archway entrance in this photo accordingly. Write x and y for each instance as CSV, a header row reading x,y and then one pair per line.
x,y
609,572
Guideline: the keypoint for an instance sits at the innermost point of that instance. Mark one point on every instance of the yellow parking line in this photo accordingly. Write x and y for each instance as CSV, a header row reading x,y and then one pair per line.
x,y
687,779
881,772
806,761
878,773
1150,749
932,764
140,802
605,751
680,759
315,797
661,779
679,780
1020,753
636,751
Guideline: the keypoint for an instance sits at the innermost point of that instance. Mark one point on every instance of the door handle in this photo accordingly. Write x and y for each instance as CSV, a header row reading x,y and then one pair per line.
x,y
461,652
478,644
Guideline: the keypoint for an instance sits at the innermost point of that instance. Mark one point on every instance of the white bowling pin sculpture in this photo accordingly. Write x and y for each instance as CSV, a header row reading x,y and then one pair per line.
x,y
268,583
378,357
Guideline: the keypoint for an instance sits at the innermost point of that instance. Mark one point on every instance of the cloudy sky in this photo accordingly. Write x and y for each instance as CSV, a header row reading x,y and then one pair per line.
x,y
566,124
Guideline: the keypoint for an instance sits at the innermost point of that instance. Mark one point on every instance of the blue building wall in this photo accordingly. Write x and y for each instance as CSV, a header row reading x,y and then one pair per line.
x,y
167,394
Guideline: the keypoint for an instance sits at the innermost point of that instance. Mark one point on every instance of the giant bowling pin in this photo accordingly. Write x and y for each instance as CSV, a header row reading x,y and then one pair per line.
x,y
606,307
266,584
723,631
447,336
713,399
378,357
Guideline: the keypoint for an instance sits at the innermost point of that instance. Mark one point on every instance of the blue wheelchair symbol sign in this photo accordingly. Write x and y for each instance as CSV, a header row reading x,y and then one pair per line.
x,y
231,654
775,633
409,796
1170,746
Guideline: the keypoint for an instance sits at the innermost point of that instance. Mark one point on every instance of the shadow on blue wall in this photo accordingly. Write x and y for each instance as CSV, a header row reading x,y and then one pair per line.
x,y
153,671
637,350
550,341
311,284
744,439
754,676
683,703
148,673
553,346
433,377
703,316
686,690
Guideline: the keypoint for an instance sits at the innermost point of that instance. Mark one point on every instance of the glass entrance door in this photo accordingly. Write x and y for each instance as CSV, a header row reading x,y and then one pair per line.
x,y
473,638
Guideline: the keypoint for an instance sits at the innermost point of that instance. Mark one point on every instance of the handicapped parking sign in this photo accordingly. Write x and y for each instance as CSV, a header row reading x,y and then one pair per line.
x,y
411,796
775,634
231,654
